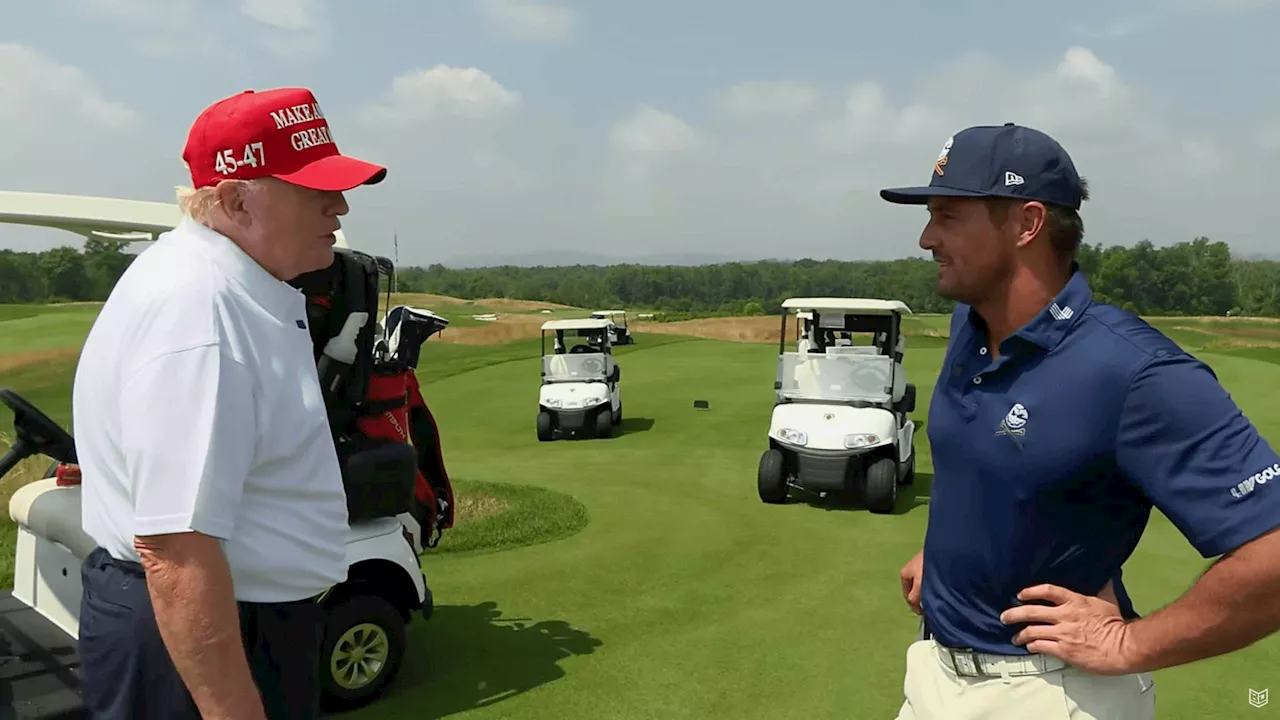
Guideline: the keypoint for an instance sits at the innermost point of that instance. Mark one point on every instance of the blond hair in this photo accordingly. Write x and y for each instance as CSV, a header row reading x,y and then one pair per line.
x,y
200,204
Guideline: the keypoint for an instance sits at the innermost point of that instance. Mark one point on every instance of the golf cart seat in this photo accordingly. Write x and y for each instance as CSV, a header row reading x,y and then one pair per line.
x,y
853,350
52,512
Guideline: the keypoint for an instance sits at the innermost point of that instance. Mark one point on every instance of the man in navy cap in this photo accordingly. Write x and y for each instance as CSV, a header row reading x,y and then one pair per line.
x,y
1056,424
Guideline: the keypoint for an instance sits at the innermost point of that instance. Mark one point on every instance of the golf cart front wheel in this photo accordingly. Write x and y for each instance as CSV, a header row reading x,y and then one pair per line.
x,y
364,643
604,422
545,429
881,493
771,480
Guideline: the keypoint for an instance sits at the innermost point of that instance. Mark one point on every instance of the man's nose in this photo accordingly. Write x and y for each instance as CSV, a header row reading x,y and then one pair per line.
x,y
338,204
927,241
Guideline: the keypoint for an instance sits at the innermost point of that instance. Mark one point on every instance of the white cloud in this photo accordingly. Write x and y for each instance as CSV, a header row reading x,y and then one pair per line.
x,y
529,21
652,132
37,89
442,93
478,169
291,29
287,29
295,15
810,186
69,137
646,143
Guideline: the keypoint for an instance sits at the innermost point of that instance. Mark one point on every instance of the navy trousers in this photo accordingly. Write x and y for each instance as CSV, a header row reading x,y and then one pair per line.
x,y
125,669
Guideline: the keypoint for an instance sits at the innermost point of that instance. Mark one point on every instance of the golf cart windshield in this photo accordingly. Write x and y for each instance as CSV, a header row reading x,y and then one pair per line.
x,y
835,377
580,367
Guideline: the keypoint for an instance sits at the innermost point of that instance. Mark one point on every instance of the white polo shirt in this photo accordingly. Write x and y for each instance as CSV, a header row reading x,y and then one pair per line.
x,y
196,406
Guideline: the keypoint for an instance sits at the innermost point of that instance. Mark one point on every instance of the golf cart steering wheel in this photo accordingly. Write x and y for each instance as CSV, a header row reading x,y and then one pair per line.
x,y
580,349
36,433
862,370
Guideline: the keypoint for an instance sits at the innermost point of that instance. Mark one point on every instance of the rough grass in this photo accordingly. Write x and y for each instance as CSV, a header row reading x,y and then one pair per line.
x,y
499,516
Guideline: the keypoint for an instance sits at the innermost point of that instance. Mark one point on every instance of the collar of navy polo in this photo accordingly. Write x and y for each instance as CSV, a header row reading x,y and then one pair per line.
x,y
1049,459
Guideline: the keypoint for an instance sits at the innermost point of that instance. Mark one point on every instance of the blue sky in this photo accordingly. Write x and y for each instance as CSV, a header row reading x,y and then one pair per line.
x,y
751,129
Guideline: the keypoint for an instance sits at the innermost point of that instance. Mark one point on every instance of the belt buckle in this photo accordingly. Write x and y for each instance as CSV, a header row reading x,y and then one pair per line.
x,y
972,657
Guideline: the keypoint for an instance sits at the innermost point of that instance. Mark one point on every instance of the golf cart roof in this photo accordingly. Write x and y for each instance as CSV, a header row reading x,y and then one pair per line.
x,y
861,306
88,216
576,324
604,313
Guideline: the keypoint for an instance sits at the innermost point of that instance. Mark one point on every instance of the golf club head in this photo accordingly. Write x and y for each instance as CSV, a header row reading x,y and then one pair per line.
x,y
408,329
385,266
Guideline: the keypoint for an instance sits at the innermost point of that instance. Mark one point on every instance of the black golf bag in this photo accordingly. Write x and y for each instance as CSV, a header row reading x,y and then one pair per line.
x,y
387,440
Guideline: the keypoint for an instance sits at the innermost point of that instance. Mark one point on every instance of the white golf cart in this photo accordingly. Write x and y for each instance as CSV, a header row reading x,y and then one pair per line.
x,y
618,334
580,395
365,639
840,423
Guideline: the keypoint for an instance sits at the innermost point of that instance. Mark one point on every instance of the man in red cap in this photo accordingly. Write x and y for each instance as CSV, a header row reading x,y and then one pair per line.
x,y
211,483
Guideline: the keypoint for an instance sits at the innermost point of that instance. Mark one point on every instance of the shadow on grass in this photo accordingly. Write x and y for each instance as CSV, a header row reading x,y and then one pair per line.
x,y
910,497
470,656
635,425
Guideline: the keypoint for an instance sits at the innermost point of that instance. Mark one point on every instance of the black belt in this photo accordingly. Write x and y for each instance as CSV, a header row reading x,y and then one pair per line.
x,y
128,566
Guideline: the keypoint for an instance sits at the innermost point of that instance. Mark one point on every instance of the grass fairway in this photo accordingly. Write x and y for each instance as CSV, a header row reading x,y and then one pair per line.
x,y
667,589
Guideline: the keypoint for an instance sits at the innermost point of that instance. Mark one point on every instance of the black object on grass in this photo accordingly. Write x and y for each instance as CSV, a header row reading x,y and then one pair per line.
x,y
703,404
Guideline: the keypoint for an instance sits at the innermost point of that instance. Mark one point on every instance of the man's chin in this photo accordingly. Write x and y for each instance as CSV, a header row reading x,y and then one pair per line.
x,y
320,260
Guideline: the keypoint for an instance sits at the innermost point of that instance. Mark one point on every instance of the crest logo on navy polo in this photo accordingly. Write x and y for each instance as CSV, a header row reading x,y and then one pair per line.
x,y
1014,424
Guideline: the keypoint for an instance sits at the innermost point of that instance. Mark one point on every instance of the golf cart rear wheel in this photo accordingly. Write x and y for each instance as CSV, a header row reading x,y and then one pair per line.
x,y
545,429
604,422
771,480
364,643
881,489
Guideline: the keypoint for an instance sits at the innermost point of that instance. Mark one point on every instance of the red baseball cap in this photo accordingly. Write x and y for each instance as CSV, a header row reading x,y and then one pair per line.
x,y
279,133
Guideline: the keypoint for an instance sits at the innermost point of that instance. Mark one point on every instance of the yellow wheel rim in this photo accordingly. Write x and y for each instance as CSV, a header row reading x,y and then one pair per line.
x,y
359,656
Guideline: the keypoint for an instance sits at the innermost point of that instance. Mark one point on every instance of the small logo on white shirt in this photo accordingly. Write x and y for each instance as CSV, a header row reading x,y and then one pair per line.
x,y
1014,424
1252,482
301,324
1012,178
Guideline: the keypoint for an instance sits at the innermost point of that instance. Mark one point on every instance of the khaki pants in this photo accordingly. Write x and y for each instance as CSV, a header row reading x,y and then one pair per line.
x,y
934,691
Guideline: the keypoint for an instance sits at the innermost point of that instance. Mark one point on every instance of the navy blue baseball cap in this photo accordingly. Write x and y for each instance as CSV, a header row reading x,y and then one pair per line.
x,y
1008,161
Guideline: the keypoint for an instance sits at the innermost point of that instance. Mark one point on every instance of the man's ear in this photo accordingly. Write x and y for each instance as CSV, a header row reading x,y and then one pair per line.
x,y
1030,218
231,196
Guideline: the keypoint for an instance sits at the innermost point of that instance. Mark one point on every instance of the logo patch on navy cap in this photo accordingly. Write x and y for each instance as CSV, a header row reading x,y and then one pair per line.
x,y
942,156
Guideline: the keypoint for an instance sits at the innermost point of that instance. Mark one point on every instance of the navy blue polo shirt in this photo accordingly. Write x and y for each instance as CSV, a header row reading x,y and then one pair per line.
x,y
1047,462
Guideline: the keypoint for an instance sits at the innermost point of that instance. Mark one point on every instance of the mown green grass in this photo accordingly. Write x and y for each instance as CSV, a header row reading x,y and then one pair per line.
x,y
682,595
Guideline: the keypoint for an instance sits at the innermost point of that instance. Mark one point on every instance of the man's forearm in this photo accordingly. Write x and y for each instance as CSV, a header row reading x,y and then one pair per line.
x,y
1235,603
195,608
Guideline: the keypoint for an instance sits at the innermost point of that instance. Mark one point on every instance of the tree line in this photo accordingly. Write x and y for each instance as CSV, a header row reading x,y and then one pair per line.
x,y
1198,277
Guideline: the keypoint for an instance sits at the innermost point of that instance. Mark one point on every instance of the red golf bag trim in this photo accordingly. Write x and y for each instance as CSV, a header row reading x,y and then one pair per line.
x,y
395,410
